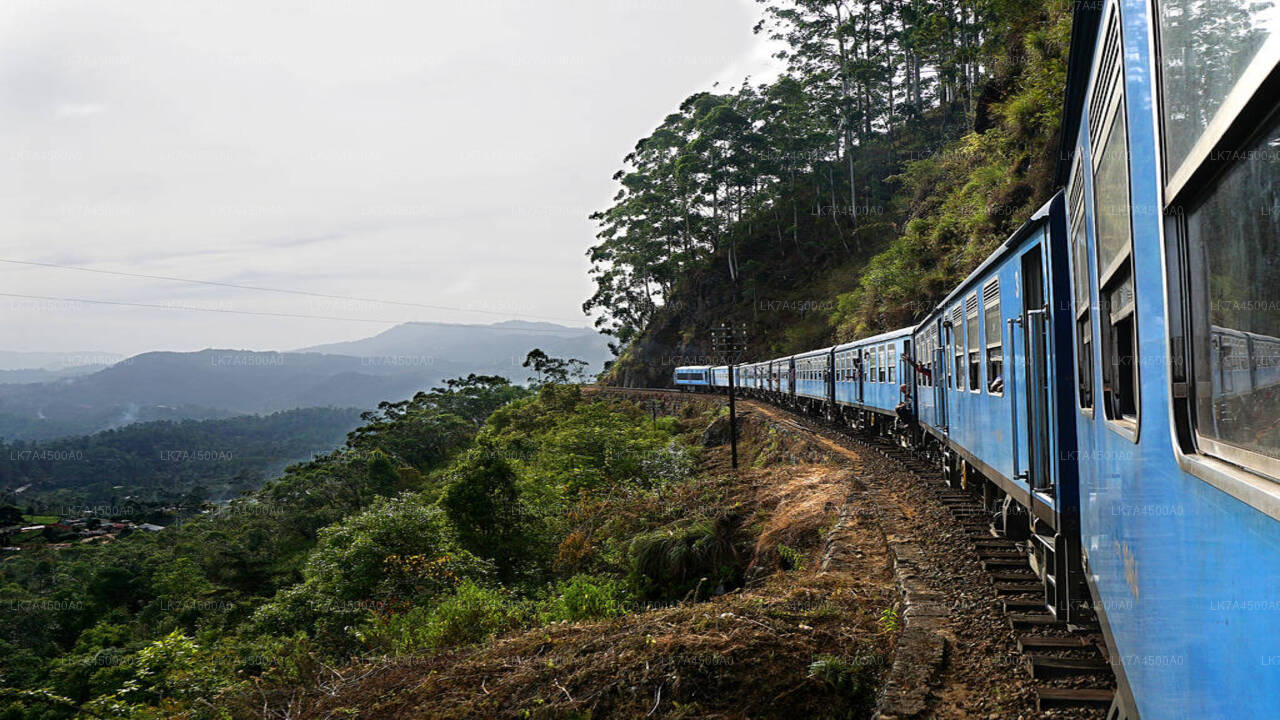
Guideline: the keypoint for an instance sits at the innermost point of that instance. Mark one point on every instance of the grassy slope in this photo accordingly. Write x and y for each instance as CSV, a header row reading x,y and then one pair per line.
x,y
751,651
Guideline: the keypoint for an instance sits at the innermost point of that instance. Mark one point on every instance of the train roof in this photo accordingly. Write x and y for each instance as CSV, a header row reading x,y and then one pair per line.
x,y
1084,36
890,335
1009,245
693,367
812,353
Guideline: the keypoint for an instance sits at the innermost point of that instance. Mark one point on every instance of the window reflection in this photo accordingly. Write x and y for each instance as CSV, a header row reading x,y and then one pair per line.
x,y
1206,46
1234,233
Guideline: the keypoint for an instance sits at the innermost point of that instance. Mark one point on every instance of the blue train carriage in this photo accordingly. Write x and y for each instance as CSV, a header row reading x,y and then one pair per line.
x,y
993,367
720,378
869,375
813,381
1172,142
691,378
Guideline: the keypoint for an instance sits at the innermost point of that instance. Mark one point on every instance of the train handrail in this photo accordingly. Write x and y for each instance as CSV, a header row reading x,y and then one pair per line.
x,y
1036,362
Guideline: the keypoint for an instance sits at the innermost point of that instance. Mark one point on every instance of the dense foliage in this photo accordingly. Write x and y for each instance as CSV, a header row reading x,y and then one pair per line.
x,y
904,140
156,464
442,521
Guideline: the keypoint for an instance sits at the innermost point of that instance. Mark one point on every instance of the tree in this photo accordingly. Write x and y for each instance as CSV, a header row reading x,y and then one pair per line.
x,y
551,370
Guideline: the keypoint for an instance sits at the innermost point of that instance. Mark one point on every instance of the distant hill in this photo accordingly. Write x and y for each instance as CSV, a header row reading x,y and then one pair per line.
x,y
24,360
205,385
495,349
43,375
212,384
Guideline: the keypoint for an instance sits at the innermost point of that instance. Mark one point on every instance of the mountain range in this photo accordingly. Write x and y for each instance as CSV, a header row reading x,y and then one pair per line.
x,y
215,383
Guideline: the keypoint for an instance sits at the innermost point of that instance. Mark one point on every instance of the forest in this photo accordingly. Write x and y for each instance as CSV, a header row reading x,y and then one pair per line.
x,y
905,139
163,463
443,520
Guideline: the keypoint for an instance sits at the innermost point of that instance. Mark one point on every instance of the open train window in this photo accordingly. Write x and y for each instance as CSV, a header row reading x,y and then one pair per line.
x,y
892,361
1113,234
1081,287
991,319
1219,64
882,363
971,334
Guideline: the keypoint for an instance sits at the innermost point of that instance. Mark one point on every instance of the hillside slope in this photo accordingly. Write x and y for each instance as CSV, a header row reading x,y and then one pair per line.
x,y
786,251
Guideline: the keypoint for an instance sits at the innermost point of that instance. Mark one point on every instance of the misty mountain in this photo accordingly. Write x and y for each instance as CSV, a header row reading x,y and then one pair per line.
x,y
44,375
212,384
496,349
20,360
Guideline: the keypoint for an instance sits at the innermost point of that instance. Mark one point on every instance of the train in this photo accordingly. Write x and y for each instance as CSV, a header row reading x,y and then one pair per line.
x,y
1108,380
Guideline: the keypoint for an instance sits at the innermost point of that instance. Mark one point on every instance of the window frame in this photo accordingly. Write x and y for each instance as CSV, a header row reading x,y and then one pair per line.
x,y
958,348
1250,477
988,343
1113,106
1081,298
972,347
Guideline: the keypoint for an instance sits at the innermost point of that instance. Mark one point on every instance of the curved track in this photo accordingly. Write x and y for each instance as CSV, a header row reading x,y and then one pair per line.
x,y
979,589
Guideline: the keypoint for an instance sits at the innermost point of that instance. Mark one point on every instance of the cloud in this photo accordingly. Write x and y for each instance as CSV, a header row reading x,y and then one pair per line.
x,y
78,110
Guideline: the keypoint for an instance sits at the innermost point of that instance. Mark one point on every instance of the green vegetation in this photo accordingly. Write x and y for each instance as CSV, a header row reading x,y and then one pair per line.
x,y
904,142
445,520
139,469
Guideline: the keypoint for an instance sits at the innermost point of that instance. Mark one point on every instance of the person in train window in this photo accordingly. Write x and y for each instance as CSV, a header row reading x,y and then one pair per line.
x,y
997,384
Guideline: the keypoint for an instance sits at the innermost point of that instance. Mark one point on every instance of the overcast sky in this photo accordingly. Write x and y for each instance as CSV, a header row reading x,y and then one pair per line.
x,y
442,153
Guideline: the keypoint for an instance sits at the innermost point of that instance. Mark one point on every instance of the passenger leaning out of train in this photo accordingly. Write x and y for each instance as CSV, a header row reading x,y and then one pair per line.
x,y
903,409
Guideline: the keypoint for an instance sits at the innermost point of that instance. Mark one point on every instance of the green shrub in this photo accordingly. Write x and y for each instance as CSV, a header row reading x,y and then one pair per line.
x,y
698,558
472,614
586,597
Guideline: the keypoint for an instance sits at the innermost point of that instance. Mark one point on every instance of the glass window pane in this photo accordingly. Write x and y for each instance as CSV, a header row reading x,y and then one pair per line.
x,y
994,336
1205,46
1234,237
1111,195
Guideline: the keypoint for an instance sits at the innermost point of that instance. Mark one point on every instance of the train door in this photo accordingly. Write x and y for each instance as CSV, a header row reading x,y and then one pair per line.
x,y
830,375
862,373
1035,369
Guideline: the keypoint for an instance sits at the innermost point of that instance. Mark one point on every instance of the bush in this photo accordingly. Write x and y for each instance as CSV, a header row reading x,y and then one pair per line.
x,y
698,559
472,614
586,597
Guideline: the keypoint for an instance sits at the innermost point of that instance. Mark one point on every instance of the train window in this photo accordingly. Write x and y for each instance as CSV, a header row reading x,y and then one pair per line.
x,y
892,361
957,335
881,364
871,365
1113,233
995,337
971,334
1080,280
1233,234
1214,53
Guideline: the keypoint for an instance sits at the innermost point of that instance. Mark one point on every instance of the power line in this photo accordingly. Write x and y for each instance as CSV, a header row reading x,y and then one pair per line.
x,y
264,313
258,288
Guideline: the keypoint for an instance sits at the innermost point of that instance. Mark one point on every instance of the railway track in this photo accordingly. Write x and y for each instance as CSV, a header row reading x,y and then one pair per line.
x,y
1067,664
